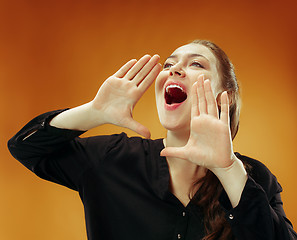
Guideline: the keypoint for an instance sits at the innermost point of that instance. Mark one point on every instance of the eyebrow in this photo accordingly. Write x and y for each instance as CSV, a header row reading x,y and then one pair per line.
x,y
190,56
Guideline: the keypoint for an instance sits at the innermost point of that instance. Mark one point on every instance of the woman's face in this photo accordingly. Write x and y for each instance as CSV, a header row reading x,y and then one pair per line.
x,y
173,84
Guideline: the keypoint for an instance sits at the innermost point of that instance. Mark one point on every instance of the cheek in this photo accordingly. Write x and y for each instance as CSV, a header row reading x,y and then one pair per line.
x,y
194,75
216,87
160,81
214,80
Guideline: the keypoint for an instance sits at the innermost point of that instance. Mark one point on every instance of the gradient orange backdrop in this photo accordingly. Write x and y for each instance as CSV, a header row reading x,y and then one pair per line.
x,y
55,54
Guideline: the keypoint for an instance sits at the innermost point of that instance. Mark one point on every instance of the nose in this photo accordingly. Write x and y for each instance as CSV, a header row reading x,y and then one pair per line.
x,y
176,70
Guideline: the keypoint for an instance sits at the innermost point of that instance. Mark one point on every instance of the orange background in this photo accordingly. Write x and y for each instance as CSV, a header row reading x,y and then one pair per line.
x,y
55,54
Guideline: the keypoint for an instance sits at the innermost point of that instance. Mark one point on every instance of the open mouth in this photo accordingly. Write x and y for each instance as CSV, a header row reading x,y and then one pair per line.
x,y
175,94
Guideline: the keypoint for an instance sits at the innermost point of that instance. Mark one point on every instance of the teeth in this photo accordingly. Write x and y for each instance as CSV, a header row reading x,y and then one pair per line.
x,y
174,86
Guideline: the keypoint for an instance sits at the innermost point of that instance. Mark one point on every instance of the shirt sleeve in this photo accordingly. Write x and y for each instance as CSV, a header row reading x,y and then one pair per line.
x,y
56,155
259,214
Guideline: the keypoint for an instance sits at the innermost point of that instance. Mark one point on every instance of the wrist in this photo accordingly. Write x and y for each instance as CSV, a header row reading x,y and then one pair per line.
x,y
222,171
233,179
81,118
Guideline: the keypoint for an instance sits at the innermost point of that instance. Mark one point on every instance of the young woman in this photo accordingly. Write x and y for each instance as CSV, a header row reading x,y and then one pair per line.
x,y
189,185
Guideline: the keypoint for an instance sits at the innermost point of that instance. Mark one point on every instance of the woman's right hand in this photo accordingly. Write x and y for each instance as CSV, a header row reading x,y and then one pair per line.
x,y
115,99
118,95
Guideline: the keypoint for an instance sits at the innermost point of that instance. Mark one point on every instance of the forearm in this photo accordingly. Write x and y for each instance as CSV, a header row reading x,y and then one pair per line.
x,y
233,179
81,118
37,139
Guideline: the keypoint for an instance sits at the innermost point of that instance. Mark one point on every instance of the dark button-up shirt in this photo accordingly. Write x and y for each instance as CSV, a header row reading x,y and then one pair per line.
x,y
124,185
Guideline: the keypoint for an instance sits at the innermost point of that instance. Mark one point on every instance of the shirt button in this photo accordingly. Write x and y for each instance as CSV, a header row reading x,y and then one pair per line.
x,y
178,236
184,214
231,216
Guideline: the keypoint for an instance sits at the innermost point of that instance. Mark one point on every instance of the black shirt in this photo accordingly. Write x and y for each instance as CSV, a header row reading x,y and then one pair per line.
x,y
124,185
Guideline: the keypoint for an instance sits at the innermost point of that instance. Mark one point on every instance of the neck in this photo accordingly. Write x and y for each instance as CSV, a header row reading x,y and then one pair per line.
x,y
177,138
183,173
179,166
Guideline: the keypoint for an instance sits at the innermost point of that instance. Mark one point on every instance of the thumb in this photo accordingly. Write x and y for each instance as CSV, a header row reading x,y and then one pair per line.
x,y
177,152
138,128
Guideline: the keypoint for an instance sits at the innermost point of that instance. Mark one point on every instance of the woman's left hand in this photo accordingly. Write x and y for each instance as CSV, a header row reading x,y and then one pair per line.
x,y
210,143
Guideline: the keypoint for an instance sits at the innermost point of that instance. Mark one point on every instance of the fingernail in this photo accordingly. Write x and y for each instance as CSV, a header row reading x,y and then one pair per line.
x,y
201,76
156,56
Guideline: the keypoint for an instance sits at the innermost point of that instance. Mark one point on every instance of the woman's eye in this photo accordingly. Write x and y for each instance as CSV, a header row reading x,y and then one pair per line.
x,y
167,65
196,64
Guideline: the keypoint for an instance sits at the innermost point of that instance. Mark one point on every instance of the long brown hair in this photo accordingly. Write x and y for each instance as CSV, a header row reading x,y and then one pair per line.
x,y
207,197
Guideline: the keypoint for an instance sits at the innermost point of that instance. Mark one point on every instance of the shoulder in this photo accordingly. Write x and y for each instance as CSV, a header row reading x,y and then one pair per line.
x,y
261,175
121,144
122,141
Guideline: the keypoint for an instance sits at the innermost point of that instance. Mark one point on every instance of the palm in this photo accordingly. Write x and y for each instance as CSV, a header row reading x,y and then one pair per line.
x,y
118,95
117,98
209,143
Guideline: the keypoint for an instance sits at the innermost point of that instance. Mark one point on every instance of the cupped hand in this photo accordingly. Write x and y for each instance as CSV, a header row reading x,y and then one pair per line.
x,y
210,143
118,95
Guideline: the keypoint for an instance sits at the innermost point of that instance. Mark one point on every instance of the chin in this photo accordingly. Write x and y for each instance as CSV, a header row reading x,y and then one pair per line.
x,y
176,120
175,125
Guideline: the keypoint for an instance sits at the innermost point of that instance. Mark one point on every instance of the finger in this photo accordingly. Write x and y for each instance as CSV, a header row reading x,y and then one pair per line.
x,y
212,107
147,68
137,67
177,152
201,96
194,110
125,68
225,108
150,78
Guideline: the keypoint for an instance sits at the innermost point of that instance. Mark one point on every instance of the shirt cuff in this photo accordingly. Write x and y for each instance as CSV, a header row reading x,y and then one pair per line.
x,y
40,125
252,199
